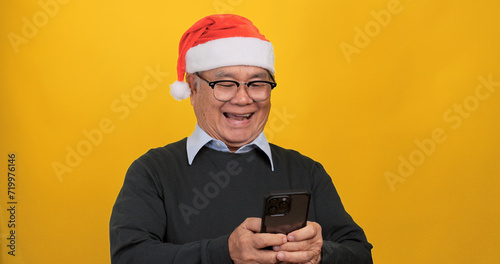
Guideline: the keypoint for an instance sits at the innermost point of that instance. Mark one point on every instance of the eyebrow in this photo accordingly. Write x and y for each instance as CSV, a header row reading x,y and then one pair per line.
x,y
223,74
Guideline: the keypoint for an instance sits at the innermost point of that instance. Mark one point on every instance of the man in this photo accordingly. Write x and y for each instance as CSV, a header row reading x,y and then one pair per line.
x,y
199,200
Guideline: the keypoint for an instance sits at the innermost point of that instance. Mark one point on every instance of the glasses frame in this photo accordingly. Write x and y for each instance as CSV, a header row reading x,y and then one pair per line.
x,y
247,84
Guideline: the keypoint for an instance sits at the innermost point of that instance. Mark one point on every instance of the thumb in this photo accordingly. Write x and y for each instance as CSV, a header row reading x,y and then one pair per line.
x,y
253,224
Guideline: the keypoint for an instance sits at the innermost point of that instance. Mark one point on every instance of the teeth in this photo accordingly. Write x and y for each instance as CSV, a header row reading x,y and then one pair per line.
x,y
242,116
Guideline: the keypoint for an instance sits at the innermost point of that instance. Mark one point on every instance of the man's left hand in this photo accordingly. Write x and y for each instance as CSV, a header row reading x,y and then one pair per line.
x,y
303,246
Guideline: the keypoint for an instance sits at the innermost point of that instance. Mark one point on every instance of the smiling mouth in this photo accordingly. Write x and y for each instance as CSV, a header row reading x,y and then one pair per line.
x,y
238,117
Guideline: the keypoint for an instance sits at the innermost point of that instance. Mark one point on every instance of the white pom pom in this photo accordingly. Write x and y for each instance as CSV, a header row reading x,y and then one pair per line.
x,y
180,90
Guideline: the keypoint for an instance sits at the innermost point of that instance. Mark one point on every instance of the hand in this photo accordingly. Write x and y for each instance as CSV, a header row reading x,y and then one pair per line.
x,y
247,246
303,246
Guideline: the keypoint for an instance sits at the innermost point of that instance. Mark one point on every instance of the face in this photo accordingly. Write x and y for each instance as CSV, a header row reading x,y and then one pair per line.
x,y
238,121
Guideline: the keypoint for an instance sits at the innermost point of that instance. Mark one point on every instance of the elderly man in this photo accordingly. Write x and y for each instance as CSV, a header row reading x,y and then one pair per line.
x,y
199,200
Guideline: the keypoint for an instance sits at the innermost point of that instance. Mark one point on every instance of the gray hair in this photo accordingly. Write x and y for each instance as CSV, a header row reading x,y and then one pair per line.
x,y
197,82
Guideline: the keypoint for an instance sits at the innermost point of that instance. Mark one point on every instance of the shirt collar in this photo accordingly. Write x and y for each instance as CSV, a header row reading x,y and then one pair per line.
x,y
200,138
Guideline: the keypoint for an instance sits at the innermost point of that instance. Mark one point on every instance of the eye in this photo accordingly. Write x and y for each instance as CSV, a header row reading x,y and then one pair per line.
x,y
258,85
226,85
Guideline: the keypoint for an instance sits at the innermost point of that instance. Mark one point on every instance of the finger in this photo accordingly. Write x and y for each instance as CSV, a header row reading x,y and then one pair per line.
x,y
265,256
268,240
294,246
257,256
308,232
253,255
297,257
252,223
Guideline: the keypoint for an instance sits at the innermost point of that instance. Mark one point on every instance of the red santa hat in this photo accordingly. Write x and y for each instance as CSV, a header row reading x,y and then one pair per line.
x,y
217,41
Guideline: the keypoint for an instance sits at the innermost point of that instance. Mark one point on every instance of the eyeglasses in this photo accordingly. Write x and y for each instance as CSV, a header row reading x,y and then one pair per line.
x,y
225,90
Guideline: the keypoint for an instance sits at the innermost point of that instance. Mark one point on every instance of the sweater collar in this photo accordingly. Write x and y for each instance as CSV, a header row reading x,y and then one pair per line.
x,y
200,138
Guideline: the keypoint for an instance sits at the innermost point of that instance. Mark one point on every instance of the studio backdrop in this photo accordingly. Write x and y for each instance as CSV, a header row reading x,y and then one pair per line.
x,y
398,99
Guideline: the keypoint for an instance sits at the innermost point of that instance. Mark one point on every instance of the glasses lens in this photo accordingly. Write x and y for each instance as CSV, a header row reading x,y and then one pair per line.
x,y
259,91
225,91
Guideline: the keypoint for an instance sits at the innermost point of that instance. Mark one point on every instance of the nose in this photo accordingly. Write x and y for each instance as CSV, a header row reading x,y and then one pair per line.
x,y
242,97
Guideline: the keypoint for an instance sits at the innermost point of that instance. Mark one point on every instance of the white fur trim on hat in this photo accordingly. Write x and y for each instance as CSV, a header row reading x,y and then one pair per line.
x,y
229,52
180,90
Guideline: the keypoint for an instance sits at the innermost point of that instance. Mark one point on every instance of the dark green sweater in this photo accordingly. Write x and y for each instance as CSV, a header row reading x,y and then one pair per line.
x,y
171,212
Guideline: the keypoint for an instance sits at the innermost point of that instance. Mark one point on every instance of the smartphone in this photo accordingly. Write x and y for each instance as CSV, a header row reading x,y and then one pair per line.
x,y
285,212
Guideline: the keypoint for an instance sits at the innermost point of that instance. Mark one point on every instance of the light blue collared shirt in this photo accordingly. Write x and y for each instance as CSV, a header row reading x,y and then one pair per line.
x,y
200,138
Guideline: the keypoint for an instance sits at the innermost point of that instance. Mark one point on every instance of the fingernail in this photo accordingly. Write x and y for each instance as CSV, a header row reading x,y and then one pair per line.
x,y
291,238
285,239
280,256
276,248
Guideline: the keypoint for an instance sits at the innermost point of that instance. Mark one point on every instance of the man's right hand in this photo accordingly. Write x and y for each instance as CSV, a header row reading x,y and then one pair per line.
x,y
246,245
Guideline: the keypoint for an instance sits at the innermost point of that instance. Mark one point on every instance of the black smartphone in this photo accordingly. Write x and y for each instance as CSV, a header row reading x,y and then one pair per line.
x,y
285,212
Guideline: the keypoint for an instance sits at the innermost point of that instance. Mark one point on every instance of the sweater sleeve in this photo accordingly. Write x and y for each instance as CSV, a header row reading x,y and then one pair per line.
x,y
138,226
343,240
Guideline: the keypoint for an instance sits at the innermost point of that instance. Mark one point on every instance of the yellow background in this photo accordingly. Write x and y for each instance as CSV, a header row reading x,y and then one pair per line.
x,y
358,114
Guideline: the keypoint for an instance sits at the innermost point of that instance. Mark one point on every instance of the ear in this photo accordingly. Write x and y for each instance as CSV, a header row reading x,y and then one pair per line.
x,y
190,80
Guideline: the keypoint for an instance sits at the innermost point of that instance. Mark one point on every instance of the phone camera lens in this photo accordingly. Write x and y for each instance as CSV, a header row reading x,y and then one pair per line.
x,y
272,210
283,206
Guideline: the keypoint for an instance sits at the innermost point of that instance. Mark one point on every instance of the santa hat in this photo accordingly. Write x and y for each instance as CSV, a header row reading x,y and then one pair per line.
x,y
217,41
